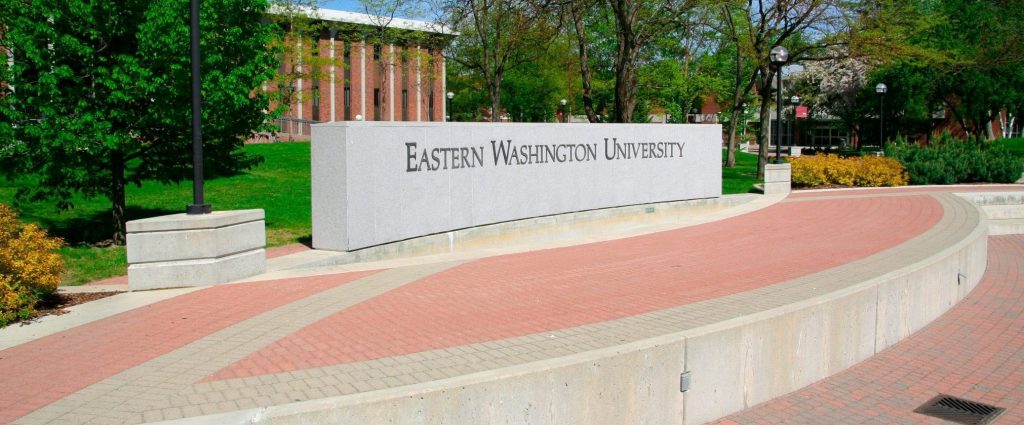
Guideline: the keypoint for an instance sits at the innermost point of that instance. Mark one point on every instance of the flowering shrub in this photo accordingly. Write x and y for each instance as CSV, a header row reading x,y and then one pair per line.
x,y
30,267
869,171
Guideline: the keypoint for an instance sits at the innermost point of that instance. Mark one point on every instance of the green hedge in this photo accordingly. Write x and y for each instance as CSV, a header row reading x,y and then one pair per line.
x,y
947,160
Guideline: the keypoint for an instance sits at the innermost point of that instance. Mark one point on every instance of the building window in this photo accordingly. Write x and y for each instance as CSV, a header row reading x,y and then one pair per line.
x,y
347,55
316,101
430,105
405,85
376,52
405,105
348,103
376,104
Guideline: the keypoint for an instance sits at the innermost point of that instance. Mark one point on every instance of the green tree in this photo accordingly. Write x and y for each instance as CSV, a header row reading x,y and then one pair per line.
x,y
810,29
497,36
98,94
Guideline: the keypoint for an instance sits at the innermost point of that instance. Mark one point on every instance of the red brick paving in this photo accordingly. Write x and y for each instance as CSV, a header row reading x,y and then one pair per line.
x,y
45,370
281,251
521,294
974,351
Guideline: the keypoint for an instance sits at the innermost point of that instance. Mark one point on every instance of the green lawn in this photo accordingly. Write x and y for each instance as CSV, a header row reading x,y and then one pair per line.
x,y
741,178
1014,145
280,186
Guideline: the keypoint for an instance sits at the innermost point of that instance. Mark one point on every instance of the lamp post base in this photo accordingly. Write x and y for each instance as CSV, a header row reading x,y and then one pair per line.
x,y
194,209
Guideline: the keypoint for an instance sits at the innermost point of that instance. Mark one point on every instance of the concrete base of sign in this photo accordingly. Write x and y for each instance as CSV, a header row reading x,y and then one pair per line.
x,y
777,178
195,250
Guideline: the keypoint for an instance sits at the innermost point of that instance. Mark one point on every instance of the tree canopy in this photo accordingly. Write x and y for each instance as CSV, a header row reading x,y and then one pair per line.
x,y
97,94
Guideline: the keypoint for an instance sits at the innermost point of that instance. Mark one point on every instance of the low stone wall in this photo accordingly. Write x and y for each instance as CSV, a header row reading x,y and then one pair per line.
x,y
545,230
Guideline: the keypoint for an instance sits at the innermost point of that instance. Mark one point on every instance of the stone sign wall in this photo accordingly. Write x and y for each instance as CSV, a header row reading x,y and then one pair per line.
x,y
375,183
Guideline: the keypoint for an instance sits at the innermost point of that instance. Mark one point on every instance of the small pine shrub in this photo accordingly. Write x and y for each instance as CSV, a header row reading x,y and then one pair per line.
x,y
947,160
868,171
30,267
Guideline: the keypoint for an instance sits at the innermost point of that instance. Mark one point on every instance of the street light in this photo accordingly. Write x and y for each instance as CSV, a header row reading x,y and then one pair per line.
x,y
795,100
198,206
448,106
565,118
778,56
881,88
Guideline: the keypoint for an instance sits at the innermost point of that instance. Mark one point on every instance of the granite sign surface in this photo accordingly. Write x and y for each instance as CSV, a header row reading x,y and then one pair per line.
x,y
375,182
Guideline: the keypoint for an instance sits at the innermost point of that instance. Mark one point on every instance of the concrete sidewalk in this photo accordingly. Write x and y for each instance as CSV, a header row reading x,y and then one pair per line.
x,y
365,329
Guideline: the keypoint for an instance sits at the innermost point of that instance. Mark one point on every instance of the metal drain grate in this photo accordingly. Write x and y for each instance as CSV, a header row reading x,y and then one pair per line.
x,y
959,410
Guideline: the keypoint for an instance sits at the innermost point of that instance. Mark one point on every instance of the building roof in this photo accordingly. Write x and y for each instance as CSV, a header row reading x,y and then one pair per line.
x,y
372,20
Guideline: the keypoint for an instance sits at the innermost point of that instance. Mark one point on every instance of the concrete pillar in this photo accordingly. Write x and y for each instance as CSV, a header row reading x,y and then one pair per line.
x,y
195,250
777,178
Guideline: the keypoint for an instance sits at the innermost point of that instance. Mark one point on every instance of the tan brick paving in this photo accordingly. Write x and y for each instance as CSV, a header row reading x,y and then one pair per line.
x,y
162,383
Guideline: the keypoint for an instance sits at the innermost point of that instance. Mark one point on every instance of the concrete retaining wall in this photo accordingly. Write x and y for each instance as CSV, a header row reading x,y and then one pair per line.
x,y
547,230
733,364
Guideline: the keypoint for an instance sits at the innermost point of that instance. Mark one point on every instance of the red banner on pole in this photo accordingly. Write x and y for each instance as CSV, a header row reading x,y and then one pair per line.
x,y
801,111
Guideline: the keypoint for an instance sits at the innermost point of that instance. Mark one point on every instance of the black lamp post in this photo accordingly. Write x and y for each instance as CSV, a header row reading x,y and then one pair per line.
x,y
197,206
565,117
795,100
881,88
448,106
778,56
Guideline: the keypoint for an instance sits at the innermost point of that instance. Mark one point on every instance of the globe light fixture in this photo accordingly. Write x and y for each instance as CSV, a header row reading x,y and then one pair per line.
x,y
794,100
881,88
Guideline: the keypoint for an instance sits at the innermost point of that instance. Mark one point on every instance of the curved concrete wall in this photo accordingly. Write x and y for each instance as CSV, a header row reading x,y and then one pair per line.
x,y
779,339
375,183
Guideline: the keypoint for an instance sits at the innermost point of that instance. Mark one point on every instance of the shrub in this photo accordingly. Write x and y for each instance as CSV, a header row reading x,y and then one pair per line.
x,y
868,171
30,267
947,160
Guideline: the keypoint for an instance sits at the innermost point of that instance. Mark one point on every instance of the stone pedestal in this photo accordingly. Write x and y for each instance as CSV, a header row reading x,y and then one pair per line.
x,y
195,250
777,178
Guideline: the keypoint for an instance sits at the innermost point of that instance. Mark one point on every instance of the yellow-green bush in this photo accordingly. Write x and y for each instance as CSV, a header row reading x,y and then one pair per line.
x,y
868,171
30,266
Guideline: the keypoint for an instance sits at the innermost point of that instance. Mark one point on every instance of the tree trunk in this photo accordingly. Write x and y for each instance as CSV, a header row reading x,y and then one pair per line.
x,y
737,108
625,60
117,196
495,89
625,88
730,160
764,133
581,39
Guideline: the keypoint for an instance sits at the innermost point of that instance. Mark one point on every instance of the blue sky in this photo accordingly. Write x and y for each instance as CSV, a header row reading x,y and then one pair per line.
x,y
348,5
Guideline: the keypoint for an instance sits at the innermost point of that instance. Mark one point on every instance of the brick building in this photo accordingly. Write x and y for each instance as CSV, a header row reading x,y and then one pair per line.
x,y
361,79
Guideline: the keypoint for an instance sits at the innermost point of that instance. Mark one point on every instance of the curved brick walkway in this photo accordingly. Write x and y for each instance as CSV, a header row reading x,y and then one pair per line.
x,y
516,295
974,351
256,344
